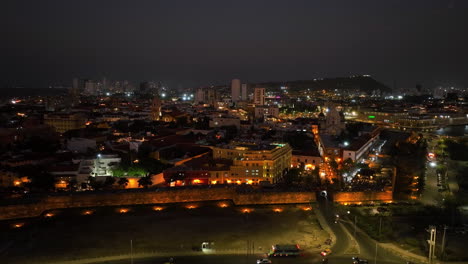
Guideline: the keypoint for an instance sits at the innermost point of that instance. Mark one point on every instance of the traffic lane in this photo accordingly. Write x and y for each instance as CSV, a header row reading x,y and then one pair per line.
x,y
367,247
239,259
342,240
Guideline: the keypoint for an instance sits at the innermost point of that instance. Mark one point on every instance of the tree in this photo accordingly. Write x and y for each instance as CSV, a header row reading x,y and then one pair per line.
x,y
348,163
123,182
72,185
109,182
145,182
136,171
292,177
333,164
118,171
96,185
42,181
316,173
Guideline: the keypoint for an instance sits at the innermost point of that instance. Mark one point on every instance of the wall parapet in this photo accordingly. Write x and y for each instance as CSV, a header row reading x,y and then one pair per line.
x,y
156,197
353,197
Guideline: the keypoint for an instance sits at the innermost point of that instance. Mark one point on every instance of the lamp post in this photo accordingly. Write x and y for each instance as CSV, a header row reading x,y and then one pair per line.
x,y
131,251
432,240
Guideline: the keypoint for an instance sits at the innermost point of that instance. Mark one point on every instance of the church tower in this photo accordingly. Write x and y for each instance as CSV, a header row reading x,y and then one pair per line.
x,y
156,108
333,123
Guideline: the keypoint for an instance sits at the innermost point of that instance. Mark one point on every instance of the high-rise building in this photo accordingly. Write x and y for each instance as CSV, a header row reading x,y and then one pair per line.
x,y
75,83
90,87
259,96
207,95
235,90
244,92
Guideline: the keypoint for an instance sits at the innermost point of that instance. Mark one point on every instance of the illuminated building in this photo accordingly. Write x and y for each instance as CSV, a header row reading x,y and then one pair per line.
x,y
65,122
332,123
156,108
309,160
265,111
256,161
235,163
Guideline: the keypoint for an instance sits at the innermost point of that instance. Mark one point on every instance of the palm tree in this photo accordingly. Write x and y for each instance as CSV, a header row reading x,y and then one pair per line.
x,y
123,182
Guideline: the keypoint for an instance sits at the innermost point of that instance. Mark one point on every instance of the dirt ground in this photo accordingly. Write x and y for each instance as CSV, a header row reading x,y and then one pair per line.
x,y
80,233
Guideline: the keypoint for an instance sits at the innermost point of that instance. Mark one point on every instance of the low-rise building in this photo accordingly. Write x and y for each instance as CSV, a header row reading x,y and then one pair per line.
x,y
64,122
224,121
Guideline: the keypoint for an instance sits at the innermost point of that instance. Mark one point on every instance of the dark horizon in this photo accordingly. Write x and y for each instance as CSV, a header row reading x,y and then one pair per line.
x,y
188,44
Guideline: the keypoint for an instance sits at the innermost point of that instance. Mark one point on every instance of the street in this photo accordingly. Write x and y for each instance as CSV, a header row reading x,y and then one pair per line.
x,y
344,231
239,259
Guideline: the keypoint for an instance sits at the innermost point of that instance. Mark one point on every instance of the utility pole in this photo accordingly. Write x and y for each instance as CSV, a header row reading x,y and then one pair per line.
x,y
131,251
432,240
355,220
375,256
380,227
442,250
376,242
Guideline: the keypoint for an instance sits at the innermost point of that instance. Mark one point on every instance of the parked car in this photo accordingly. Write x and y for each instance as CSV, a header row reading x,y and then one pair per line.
x,y
357,260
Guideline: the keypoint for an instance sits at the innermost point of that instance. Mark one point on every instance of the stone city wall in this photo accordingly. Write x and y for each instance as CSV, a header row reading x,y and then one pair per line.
x,y
152,197
353,197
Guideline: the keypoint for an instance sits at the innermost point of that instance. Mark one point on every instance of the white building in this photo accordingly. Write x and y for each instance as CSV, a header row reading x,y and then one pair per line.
x,y
99,166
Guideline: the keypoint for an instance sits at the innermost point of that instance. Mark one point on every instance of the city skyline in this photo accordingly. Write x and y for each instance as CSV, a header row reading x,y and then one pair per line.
x,y
189,44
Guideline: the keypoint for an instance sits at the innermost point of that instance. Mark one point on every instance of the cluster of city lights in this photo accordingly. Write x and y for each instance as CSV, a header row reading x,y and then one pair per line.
x,y
187,97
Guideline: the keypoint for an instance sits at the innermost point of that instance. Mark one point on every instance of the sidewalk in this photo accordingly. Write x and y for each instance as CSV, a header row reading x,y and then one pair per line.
x,y
144,255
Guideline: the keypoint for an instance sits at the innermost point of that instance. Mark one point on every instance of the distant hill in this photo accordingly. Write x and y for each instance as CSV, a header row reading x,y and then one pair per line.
x,y
364,83
21,92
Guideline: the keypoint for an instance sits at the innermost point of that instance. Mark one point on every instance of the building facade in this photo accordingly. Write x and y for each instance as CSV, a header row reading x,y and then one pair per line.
x,y
259,96
65,122
235,90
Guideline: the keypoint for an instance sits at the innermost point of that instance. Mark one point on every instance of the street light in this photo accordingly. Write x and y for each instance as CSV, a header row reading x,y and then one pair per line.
x,y
432,241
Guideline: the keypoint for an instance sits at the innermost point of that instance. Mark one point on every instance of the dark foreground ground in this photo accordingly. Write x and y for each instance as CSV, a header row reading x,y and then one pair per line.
x,y
98,232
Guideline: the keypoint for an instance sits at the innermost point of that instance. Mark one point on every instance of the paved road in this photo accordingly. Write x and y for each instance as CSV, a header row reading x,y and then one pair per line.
x,y
431,194
344,231
236,259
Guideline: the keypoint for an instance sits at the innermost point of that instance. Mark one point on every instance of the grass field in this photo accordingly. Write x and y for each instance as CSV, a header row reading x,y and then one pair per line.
x,y
86,233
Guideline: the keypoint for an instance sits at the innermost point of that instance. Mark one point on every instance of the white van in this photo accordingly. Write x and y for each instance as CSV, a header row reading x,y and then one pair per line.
x,y
208,247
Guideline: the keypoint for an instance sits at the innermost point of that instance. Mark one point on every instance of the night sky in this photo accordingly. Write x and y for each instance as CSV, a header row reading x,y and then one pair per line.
x,y
196,42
